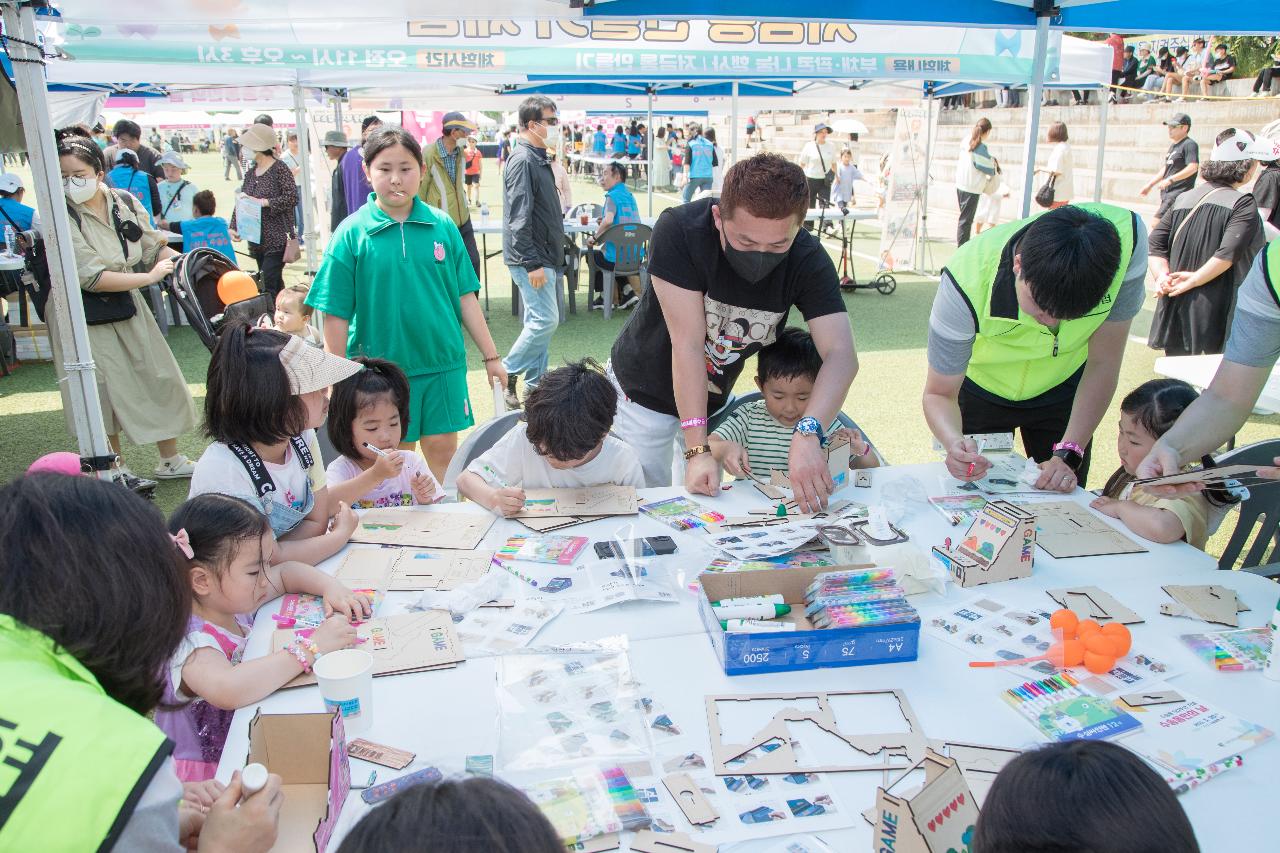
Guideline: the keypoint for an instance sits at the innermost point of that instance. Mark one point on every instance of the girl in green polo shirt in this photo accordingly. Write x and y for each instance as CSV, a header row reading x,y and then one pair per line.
x,y
397,283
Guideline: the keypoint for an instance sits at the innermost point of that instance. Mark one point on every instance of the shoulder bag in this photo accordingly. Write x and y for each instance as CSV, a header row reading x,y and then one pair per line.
x,y
103,308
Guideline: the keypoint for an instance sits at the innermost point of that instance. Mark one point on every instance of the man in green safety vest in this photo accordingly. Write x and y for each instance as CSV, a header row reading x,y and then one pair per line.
x,y
1251,353
1027,332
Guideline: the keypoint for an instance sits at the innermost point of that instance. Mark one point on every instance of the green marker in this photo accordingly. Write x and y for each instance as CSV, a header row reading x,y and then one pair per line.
x,y
781,512
750,610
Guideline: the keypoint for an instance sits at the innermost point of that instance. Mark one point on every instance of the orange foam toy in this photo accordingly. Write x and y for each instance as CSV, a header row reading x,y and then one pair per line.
x,y
236,286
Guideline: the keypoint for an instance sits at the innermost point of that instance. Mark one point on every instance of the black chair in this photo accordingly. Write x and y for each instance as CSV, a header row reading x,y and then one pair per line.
x,y
841,417
1259,515
631,255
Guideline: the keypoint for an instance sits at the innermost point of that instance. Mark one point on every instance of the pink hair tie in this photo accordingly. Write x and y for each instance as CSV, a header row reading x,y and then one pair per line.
x,y
183,543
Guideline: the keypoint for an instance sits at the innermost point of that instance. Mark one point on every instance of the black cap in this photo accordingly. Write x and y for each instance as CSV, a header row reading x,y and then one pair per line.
x,y
1177,119
368,120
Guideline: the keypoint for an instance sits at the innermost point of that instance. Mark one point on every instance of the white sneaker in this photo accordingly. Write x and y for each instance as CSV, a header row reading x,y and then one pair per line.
x,y
175,468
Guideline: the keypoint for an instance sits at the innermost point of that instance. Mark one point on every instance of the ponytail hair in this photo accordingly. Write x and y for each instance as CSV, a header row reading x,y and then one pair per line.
x,y
247,398
215,525
73,143
982,127
1156,404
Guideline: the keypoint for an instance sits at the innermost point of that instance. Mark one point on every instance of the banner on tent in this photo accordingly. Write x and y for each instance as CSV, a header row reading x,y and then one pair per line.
x,y
906,173
600,47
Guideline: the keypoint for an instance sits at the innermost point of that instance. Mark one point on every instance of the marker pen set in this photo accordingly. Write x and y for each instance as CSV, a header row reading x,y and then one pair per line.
x,y
748,613
857,598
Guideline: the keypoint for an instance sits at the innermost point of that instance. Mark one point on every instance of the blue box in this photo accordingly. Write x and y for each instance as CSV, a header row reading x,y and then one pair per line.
x,y
806,647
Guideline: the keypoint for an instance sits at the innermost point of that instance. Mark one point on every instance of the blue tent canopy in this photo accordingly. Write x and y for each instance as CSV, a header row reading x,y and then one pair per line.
x,y
666,86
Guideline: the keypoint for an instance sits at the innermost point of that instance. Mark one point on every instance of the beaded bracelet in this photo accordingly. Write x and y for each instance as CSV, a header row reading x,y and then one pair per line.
x,y
301,656
690,423
299,648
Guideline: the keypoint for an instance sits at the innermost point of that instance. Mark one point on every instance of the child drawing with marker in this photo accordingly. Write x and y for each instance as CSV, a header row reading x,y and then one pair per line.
x,y
1145,415
563,442
226,546
368,422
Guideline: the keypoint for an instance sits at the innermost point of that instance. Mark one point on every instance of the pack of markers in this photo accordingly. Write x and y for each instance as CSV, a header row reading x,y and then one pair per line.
x,y
859,619
857,598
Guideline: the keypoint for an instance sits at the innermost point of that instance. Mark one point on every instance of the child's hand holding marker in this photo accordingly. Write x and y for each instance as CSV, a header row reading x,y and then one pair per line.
x,y
424,490
389,462
965,460
334,633
507,500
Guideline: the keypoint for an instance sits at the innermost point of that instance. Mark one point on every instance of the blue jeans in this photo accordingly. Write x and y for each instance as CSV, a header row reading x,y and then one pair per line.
x,y
693,186
528,355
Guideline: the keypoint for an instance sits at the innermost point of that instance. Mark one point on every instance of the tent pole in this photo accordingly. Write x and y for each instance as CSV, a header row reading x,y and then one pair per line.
x,y
65,302
923,234
733,125
337,112
1102,149
304,153
649,133
1036,92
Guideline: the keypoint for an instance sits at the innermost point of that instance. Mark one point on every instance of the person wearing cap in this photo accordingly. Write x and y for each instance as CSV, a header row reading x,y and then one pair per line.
x,y
1202,249
176,193
1027,333
700,154
818,158
335,147
1181,163
126,175
444,179
356,188
270,184
12,211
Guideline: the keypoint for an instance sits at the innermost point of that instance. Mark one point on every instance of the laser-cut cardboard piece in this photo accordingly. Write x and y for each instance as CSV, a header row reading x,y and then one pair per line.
x,y
648,841
688,795
998,546
892,751
423,528
584,501
1210,602
1090,602
936,818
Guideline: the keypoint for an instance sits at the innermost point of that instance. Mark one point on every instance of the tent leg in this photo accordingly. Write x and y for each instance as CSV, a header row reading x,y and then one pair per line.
x,y
733,125
304,153
65,299
1036,93
649,133
1102,149
923,235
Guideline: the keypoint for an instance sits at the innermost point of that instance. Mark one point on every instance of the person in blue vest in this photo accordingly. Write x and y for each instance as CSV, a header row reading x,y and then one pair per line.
x,y
620,208
1027,333
206,231
22,217
598,141
84,647
633,142
127,176
700,154
618,145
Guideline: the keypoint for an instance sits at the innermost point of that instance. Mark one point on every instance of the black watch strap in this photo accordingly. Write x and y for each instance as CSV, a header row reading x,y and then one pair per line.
x,y
1070,457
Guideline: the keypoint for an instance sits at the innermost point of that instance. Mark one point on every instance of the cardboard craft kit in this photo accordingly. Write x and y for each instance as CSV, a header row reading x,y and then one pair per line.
x,y
411,570
839,453
308,753
1210,602
776,748
1067,529
419,528
1090,602
937,818
1217,476
806,647
998,546
584,501
406,642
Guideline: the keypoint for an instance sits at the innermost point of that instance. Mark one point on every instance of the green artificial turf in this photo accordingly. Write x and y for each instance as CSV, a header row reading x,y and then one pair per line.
x,y
890,332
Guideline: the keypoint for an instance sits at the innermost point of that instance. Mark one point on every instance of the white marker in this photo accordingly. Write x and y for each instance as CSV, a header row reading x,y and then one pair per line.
x,y
374,450
253,778
1273,657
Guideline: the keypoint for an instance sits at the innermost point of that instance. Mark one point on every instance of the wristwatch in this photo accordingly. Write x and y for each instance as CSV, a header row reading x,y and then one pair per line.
x,y
1070,453
810,426
694,451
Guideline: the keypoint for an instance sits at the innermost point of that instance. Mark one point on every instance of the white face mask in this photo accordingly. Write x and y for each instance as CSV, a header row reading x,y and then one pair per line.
x,y
79,190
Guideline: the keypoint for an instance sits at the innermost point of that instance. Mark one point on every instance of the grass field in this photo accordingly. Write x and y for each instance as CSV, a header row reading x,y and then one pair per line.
x,y
890,333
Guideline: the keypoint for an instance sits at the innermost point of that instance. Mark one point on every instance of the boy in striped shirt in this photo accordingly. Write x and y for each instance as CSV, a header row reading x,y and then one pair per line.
x,y
756,437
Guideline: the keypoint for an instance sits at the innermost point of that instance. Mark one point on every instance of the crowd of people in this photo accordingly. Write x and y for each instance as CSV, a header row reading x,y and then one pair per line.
x,y
1026,334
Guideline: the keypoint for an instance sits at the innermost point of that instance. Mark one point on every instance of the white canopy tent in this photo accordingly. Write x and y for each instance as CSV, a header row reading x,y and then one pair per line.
x,y
303,44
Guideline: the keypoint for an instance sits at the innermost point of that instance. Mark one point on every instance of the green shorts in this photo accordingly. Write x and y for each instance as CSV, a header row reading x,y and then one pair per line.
x,y
438,403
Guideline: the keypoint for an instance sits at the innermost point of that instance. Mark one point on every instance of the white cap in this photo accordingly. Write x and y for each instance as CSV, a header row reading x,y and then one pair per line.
x,y
1243,145
10,183
253,778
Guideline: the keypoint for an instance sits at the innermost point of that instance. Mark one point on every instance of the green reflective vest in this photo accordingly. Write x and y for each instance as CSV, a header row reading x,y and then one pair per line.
x,y
1014,356
1271,268
73,761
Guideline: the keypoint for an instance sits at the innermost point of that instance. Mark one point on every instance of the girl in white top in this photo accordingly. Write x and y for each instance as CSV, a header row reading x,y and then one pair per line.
x,y
176,193
368,419
1060,165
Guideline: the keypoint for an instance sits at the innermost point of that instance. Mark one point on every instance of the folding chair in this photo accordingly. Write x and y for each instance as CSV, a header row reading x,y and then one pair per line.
x,y
631,251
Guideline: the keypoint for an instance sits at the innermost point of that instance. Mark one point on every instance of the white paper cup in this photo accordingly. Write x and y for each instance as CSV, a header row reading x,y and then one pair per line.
x,y
346,684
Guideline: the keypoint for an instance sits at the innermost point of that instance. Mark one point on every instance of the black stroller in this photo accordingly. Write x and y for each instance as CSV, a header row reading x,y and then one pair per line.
x,y
194,286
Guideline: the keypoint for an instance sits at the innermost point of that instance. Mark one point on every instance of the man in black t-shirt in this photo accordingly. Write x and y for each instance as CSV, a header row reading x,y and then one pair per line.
x,y
1221,68
725,275
1266,192
1181,164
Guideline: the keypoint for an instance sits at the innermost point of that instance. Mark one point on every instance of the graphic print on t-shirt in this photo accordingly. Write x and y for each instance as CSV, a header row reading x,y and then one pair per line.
x,y
733,334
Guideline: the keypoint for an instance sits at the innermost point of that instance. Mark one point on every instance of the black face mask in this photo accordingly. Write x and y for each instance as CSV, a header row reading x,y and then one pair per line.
x,y
752,266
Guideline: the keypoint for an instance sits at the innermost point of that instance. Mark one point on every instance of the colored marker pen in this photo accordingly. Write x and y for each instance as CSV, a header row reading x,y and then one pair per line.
x,y
750,610
1273,657
369,447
